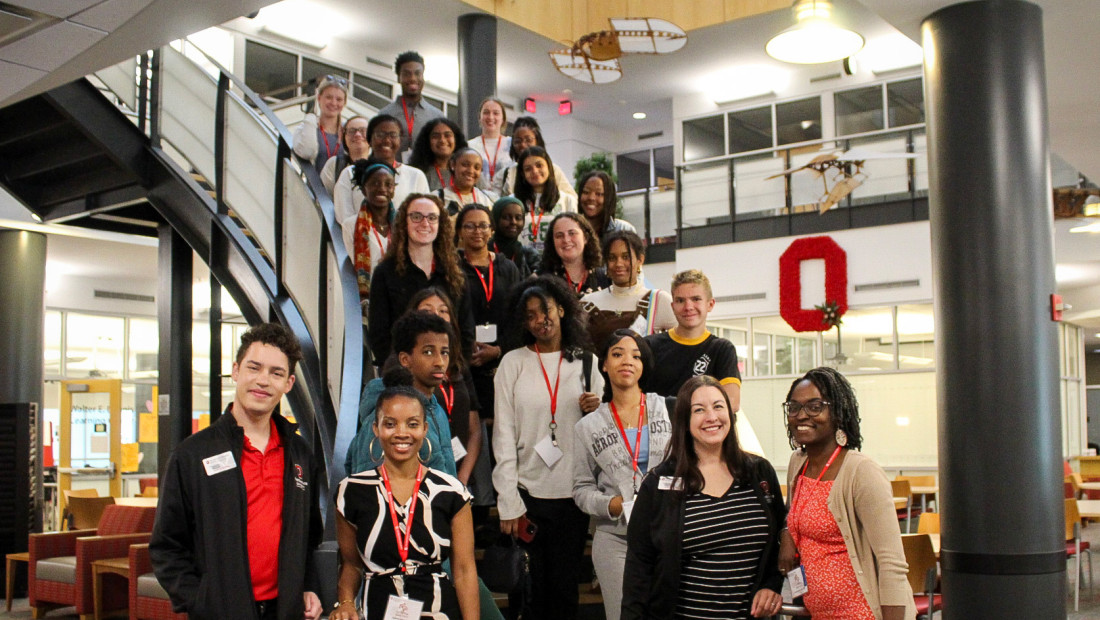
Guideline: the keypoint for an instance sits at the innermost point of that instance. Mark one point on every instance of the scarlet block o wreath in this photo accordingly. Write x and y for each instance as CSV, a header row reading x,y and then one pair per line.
x,y
790,282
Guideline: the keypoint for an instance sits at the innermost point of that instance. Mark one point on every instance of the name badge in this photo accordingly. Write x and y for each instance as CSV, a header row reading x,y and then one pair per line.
x,y
670,483
628,507
458,449
486,333
402,608
797,581
549,453
219,463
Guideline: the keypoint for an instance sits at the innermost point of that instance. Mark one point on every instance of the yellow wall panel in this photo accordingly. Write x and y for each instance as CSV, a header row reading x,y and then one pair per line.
x,y
687,15
738,9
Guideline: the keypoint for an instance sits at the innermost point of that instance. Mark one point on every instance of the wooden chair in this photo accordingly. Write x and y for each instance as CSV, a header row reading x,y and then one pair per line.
x,y
66,516
903,502
921,481
928,523
922,573
1075,547
87,511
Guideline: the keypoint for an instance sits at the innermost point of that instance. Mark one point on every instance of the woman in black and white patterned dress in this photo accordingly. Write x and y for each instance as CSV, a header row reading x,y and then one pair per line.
x,y
375,510
703,538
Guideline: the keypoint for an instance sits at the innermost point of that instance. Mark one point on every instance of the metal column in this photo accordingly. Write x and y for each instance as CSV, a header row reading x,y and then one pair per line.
x,y
23,282
477,66
996,346
175,263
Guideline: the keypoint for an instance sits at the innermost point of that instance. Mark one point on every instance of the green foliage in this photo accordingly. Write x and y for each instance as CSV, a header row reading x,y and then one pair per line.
x,y
597,161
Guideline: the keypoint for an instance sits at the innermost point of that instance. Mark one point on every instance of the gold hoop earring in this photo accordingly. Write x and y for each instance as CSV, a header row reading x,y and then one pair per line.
x,y
370,450
429,458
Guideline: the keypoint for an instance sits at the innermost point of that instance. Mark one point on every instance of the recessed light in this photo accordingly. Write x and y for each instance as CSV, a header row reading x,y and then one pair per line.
x,y
639,116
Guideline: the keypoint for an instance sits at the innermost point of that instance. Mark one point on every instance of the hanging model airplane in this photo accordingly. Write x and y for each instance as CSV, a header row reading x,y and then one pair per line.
x,y
594,58
844,169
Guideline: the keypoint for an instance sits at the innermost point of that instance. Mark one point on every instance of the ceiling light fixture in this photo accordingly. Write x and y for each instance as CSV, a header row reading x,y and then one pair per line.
x,y
814,38
639,116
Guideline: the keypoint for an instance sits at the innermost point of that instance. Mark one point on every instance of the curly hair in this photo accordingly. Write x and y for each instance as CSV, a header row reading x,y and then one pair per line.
x,y
523,190
422,156
443,247
404,57
604,349
633,243
458,364
843,406
574,321
551,262
610,199
681,444
275,335
526,122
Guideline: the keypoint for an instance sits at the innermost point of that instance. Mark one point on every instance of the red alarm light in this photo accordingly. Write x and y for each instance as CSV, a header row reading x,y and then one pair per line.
x,y
529,105
565,107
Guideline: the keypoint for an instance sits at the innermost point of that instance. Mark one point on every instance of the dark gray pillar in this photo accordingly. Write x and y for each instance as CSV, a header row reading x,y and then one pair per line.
x,y
22,301
477,66
996,347
175,266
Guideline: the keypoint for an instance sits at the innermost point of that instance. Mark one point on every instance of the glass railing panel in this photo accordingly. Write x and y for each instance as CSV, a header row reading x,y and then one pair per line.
x,y
122,80
634,211
807,187
755,194
187,117
920,176
250,176
335,344
662,213
883,179
705,194
301,247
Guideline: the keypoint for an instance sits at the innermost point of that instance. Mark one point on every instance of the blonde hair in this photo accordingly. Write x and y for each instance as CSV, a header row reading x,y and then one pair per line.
x,y
692,276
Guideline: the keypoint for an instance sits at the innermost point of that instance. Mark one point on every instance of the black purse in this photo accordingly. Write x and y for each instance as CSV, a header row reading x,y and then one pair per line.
x,y
505,567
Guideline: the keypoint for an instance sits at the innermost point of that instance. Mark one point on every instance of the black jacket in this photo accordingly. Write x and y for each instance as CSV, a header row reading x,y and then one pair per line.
x,y
199,547
651,578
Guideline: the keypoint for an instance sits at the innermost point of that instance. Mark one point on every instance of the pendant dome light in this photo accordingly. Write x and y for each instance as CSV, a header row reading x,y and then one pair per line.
x,y
814,38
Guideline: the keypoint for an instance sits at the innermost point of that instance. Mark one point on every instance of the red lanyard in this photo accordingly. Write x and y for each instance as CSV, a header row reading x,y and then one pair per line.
x,y
324,136
461,200
638,439
553,393
488,289
496,154
576,286
819,476
378,238
448,394
402,544
409,118
535,223
439,173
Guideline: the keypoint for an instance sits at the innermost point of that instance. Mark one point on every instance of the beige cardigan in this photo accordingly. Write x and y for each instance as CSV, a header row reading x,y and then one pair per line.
x,y
862,504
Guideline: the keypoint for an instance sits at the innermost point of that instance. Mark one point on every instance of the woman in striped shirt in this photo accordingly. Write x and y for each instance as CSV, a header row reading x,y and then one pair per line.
x,y
703,538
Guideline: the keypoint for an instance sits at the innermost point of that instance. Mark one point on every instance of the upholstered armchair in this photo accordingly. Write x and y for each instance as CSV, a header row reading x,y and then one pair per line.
x,y
60,567
148,601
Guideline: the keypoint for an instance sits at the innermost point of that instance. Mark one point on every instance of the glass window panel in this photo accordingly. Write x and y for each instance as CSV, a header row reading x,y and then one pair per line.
x,y
757,191
438,103
52,344
761,355
144,345
312,69
798,121
906,102
91,429
807,355
633,170
784,355
784,339
375,92
916,337
858,110
267,69
93,346
750,130
663,167
704,137
867,341
454,113
737,332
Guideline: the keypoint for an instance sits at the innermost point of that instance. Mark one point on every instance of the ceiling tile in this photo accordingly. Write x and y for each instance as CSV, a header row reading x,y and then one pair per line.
x,y
110,14
10,22
16,78
50,48
57,8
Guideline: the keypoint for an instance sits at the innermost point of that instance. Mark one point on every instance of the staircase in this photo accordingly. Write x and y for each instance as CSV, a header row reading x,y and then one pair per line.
x,y
161,141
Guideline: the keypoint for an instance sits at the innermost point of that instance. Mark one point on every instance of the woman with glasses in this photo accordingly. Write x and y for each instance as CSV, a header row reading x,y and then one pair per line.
x,y
317,137
421,253
432,151
525,134
842,526
703,537
354,137
384,136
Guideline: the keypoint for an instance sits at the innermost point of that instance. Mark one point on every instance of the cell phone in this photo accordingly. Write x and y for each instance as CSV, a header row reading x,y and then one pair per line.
x,y
526,529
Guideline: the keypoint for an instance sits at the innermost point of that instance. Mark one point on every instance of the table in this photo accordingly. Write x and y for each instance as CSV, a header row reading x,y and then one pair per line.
x,y
1089,486
935,544
136,501
924,492
12,559
114,566
1089,508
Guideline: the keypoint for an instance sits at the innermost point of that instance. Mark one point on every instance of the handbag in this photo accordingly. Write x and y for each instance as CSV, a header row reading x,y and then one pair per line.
x,y
505,567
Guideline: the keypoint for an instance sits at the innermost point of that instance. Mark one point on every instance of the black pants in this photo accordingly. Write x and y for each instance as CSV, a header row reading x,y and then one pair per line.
x,y
267,610
556,555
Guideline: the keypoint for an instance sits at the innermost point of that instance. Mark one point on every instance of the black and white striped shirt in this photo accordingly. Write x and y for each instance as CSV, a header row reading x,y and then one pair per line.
x,y
724,542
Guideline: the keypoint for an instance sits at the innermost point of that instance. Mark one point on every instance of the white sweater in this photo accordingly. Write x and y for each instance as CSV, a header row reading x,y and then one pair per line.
x,y
523,420
620,299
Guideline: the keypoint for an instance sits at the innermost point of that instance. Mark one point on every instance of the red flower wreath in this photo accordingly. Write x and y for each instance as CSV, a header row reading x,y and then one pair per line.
x,y
790,282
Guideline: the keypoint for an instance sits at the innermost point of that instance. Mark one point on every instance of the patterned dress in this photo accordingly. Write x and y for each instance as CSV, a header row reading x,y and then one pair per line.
x,y
361,500
833,591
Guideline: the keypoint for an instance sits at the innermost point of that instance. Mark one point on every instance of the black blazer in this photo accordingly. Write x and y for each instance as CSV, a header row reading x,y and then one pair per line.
x,y
651,578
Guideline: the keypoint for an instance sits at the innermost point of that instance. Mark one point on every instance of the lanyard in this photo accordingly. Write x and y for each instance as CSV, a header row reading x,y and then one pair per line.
x,y
637,440
439,173
487,288
535,223
461,200
409,118
324,136
448,394
496,154
378,237
553,393
402,544
576,286
798,487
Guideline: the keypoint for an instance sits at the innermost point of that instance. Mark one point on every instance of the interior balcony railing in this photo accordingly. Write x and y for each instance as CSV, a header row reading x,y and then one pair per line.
x,y
745,196
236,153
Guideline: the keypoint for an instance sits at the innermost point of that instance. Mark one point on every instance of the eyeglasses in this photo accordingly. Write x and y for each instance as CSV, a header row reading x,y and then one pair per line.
x,y
813,408
416,218
471,227
357,131
336,79
388,135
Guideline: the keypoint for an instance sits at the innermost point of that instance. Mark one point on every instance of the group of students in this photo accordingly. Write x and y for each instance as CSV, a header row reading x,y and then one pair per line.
x,y
607,405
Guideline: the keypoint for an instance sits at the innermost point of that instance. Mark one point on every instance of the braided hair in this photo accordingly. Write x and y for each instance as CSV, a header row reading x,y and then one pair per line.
x,y
843,406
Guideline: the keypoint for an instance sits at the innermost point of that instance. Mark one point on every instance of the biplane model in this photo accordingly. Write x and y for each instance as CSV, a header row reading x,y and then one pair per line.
x,y
594,58
843,169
